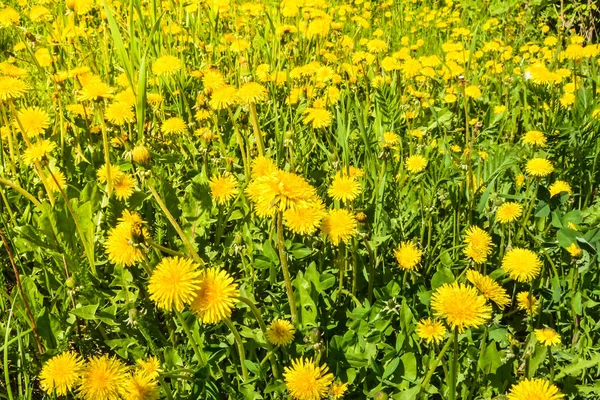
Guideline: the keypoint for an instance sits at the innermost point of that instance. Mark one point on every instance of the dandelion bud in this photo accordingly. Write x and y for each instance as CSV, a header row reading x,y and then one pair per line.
x,y
140,154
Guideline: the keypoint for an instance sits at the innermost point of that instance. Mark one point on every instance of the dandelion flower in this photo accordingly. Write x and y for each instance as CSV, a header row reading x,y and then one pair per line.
x,y
102,378
489,288
460,305
574,250
38,151
11,88
305,220
390,139
149,367
317,117
58,182
430,330
94,90
123,186
215,297
522,265
34,121
223,188
61,373
337,390
339,226
103,171
280,332
473,92
119,113
558,187
408,256
173,283
166,65
262,166
307,381
140,154
223,97
509,212
528,302
547,336
252,92
534,389
123,245
415,164
173,125
344,188
479,244
539,167
536,138
139,386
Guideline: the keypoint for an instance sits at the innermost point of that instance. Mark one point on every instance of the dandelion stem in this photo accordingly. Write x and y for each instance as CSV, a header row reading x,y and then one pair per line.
x,y
284,267
188,332
257,134
436,362
240,347
22,191
454,368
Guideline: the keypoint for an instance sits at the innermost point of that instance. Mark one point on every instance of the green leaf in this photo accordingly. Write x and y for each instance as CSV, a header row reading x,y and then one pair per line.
x,y
442,276
390,367
491,360
86,312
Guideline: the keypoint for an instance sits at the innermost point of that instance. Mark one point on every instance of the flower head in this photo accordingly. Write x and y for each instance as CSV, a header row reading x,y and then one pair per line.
x,y
140,154
166,65
215,297
38,151
534,138
11,88
337,390
528,302
173,125
408,256
479,244
431,330
489,288
317,117
539,167
306,219
102,378
307,381
339,225
149,367
223,97
33,120
262,166
509,212
61,373
123,186
140,386
252,92
558,187
344,188
174,282
119,113
460,305
415,164
223,188
280,332
123,242
522,265
534,389
547,336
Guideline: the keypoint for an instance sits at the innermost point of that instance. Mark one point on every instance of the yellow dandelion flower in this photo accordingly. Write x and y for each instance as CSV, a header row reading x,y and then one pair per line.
x,y
252,92
223,188
337,390
215,297
534,138
61,373
94,90
460,305
536,388
489,288
103,171
149,367
124,186
509,212
166,65
123,245
38,151
522,265
478,244
223,97
390,139
473,91
547,336
305,220
280,332
139,386
539,167
307,381
339,226
344,188
560,186
33,120
11,88
430,330
528,302
9,16
408,256
262,166
317,117
102,378
574,250
119,113
415,164
174,125
174,282
213,80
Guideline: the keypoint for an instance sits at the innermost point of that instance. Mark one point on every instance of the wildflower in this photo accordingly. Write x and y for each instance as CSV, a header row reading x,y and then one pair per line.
x,y
408,256
166,65
317,117
539,167
223,97
123,242
536,138
390,139
527,301
536,388
149,367
252,92
119,113
215,296
173,125
223,188
339,226
61,373
262,166
139,386
102,378
174,282
280,332
140,154
415,164
123,186
473,92
33,120
574,250
460,305
558,187
509,212
306,219
344,188
489,288
94,90
306,381
430,330
103,171
479,244
547,336
38,151
521,264
58,182
337,390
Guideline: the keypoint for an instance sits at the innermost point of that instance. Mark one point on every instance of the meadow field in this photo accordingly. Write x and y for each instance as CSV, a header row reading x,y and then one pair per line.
x,y
299,199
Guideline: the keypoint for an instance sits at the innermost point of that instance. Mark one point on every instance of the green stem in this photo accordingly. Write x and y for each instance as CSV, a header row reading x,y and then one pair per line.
x,y
454,369
186,328
479,359
436,362
22,192
284,267
551,359
240,347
